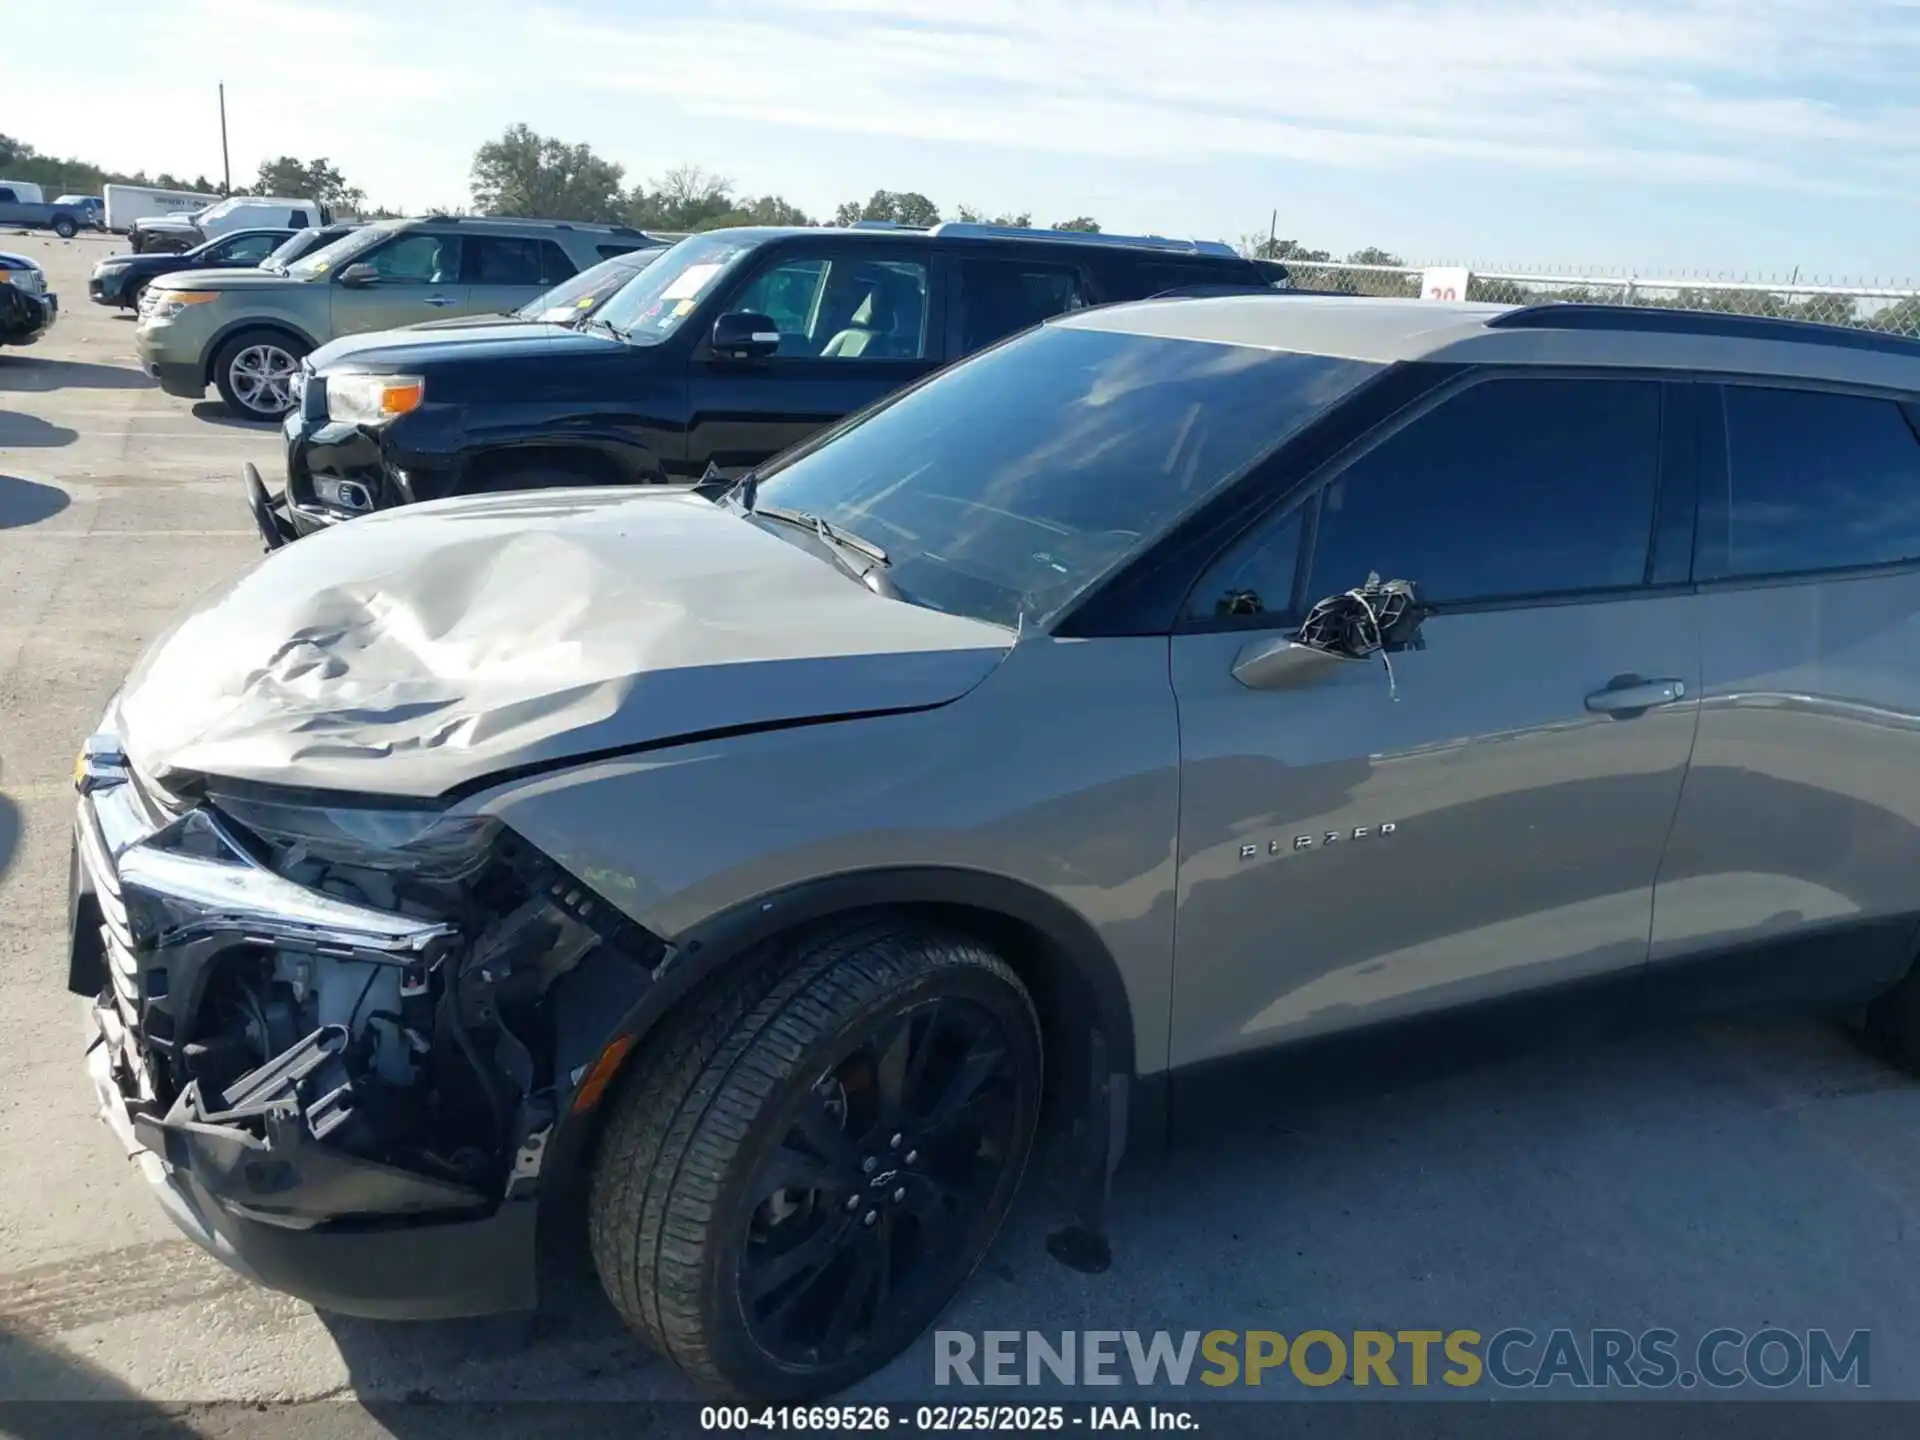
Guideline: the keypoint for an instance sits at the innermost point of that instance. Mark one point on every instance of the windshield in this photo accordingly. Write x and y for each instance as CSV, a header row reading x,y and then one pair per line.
x,y
331,257
1003,487
290,249
650,307
586,292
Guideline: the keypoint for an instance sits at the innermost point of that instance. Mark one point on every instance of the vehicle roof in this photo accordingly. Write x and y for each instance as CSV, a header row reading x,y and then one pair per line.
x,y
1386,331
963,233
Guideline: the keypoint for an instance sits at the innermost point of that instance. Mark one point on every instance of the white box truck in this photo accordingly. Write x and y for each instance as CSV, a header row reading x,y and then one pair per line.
x,y
128,203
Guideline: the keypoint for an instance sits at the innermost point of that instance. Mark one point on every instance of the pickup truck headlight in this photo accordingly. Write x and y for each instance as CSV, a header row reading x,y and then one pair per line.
x,y
168,303
373,399
398,839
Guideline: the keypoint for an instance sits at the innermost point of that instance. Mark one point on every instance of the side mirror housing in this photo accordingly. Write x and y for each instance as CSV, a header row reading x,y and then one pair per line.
x,y
744,335
1275,662
357,277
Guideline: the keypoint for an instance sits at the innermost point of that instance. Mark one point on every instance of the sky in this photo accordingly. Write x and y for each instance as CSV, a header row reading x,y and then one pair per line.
x,y
1726,137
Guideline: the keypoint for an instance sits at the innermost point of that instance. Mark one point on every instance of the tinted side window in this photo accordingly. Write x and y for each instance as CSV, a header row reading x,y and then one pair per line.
x,y
555,264
502,260
842,308
7,197
1510,488
1816,481
299,220
998,297
249,249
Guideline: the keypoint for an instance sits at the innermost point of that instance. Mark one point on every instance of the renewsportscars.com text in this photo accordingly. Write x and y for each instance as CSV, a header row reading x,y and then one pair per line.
x,y
1512,1358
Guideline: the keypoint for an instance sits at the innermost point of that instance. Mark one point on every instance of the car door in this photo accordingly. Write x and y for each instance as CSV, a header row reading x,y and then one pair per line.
x,y
1791,869
857,321
503,272
1477,817
416,276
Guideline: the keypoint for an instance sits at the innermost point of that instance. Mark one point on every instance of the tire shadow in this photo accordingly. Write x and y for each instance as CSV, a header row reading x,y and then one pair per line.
x,y
26,502
214,412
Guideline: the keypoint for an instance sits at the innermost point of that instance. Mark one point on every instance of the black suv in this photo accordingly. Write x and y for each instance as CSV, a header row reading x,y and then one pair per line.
x,y
728,349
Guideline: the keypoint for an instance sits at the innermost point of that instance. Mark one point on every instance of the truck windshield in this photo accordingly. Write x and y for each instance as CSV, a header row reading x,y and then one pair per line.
x,y
1004,487
650,307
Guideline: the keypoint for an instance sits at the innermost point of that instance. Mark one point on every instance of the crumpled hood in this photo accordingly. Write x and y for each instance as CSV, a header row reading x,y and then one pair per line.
x,y
479,338
417,651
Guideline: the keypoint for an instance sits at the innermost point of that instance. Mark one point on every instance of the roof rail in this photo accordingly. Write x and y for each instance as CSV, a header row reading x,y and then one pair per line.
x,y
886,225
1209,292
973,230
1655,319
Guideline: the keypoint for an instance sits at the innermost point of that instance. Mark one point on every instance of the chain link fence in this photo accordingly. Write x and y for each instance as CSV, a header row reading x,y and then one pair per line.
x,y
1895,310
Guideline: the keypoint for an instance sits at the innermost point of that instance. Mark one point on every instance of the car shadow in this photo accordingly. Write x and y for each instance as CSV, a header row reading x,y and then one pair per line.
x,y
27,432
215,413
31,372
10,829
50,1394
26,502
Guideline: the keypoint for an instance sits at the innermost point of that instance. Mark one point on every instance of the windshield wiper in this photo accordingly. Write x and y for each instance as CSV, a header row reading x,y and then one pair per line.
x,y
843,545
594,322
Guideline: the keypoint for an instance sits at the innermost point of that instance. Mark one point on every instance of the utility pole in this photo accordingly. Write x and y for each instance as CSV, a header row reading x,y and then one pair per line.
x,y
1273,230
226,166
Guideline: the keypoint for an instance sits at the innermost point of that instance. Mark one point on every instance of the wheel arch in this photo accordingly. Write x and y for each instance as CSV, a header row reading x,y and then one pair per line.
x,y
234,327
1085,1014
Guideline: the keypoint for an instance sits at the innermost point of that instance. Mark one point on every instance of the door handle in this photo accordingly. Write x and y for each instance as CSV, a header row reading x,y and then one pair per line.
x,y
1629,695
439,300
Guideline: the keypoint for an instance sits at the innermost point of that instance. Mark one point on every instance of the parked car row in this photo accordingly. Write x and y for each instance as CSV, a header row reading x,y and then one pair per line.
x,y
727,349
122,279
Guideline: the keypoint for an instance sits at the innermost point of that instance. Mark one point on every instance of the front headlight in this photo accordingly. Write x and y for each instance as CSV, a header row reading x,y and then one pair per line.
x,y
168,303
30,282
373,399
404,839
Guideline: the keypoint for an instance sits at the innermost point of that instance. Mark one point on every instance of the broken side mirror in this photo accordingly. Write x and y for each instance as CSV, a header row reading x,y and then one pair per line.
x,y
1278,662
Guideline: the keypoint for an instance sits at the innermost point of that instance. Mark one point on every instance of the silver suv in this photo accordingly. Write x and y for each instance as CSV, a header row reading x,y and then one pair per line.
x,y
245,331
1174,687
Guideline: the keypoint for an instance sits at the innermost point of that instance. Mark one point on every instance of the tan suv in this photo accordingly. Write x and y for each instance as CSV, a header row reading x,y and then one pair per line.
x,y
245,331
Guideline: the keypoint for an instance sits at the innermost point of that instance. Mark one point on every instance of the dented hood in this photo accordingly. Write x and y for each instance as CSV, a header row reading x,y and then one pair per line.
x,y
418,651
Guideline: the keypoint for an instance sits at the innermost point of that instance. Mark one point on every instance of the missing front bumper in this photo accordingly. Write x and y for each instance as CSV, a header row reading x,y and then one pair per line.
x,y
393,1271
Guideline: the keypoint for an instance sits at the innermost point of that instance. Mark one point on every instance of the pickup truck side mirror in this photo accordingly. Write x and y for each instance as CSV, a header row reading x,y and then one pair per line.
x,y
358,277
745,335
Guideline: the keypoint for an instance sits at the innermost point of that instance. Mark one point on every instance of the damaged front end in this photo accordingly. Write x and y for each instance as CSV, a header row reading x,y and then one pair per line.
x,y
332,1032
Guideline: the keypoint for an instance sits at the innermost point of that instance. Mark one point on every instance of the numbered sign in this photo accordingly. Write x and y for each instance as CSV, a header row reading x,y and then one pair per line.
x,y
1443,283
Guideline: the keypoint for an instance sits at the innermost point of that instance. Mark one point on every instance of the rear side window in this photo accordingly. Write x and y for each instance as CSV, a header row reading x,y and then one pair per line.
x,y
7,197
555,264
299,220
502,260
1512,488
1814,481
998,297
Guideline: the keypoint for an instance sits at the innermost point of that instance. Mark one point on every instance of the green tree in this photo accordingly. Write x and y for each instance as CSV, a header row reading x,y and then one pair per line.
x,y
1084,223
1261,247
308,180
902,207
1374,255
1021,220
540,177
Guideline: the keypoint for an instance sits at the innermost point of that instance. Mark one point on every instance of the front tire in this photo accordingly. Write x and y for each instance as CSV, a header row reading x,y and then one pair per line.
x,y
798,1176
254,373
64,227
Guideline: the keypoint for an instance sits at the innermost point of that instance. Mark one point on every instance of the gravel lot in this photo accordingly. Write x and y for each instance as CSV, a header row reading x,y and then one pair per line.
x,y
1739,1175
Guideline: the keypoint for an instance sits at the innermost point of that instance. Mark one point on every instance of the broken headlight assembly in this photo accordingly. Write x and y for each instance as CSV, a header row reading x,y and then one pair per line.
x,y
341,1009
